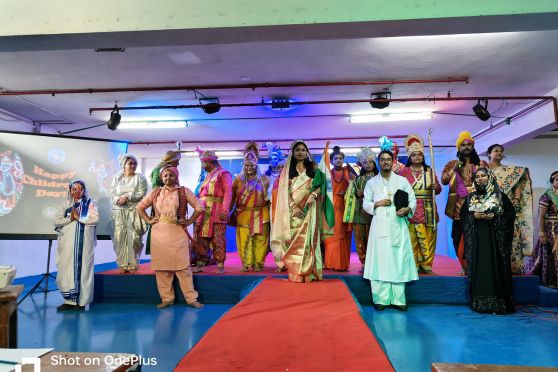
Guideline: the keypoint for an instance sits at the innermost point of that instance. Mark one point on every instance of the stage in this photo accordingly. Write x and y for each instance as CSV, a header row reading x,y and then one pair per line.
x,y
447,287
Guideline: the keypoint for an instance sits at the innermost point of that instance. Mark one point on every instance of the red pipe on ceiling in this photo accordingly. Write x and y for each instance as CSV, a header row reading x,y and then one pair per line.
x,y
231,86
424,99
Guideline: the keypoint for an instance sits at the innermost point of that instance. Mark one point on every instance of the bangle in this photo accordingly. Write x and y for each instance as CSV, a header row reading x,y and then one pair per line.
x,y
315,195
292,205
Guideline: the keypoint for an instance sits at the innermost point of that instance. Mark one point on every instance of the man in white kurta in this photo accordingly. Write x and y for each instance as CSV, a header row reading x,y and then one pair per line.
x,y
389,259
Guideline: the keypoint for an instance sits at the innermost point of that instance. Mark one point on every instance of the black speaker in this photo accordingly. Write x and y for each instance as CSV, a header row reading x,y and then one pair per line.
x,y
481,111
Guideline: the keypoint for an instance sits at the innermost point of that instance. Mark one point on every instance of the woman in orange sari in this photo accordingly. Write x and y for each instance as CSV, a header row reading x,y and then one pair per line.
x,y
338,246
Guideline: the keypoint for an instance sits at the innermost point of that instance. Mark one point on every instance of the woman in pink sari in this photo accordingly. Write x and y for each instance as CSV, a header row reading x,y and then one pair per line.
x,y
169,243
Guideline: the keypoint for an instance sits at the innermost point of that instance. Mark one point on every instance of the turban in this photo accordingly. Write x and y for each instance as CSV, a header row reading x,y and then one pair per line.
x,y
172,169
206,155
170,157
123,158
464,136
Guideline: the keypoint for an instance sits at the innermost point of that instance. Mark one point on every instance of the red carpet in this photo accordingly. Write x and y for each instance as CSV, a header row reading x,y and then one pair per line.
x,y
283,326
443,266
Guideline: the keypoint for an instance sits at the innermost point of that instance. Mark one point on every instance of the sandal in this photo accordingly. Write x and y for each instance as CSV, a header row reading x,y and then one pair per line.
x,y
198,268
196,304
65,307
164,304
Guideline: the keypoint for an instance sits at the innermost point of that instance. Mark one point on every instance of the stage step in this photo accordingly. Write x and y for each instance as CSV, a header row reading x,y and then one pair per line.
x,y
548,297
226,289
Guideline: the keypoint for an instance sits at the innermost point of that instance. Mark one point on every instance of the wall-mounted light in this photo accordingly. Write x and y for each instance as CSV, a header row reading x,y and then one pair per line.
x,y
392,116
156,124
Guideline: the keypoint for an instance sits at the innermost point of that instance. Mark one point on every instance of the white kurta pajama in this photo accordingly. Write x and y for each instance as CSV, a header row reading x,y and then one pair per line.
x,y
389,259
74,257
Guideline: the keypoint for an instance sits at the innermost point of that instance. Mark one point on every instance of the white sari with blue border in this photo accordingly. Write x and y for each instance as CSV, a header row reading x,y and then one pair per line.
x,y
74,258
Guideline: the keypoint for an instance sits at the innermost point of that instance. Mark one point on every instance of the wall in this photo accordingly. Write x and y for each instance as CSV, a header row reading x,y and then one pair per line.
x,y
28,17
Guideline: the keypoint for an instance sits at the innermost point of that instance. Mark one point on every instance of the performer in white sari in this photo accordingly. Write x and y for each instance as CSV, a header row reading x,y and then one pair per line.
x,y
127,190
389,259
75,222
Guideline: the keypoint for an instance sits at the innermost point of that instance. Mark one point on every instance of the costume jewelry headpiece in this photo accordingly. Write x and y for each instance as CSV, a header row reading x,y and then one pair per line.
x,y
387,144
251,153
414,142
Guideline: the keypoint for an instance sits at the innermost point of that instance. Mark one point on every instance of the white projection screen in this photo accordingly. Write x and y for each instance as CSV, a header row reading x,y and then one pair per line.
x,y
35,171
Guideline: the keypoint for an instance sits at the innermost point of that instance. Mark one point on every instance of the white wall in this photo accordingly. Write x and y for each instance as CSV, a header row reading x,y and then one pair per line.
x,y
541,157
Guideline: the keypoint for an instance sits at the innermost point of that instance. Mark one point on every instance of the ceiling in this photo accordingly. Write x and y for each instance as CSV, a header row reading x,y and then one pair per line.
x,y
496,64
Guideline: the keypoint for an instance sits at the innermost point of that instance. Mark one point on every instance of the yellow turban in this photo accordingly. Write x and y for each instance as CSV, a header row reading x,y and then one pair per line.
x,y
463,136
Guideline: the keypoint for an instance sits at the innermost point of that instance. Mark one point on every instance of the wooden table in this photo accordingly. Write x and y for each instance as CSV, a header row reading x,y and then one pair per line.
x,y
8,315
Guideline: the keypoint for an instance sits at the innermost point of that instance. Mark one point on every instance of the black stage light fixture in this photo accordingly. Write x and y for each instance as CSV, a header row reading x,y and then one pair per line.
x,y
114,120
376,100
280,104
481,111
210,105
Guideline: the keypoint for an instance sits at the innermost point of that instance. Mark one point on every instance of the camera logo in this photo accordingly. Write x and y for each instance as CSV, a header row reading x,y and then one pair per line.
x,y
36,362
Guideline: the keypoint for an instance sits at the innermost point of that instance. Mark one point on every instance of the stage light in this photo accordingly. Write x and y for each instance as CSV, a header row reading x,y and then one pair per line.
x,y
229,154
280,104
114,120
210,105
376,100
392,116
156,124
482,111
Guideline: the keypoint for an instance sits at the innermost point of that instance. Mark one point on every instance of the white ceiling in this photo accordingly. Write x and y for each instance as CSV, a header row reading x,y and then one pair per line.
x,y
497,64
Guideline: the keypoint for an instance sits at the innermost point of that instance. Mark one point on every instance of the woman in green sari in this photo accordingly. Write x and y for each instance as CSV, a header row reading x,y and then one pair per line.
x,y
295,232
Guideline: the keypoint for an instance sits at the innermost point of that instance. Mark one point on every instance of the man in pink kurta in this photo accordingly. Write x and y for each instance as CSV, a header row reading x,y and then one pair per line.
x,y
215,195
170,254
458,174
